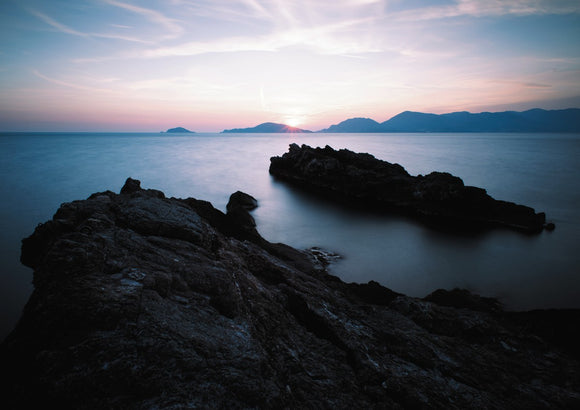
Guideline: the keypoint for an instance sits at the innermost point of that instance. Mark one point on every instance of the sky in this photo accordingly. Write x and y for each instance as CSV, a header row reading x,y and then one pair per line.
x,y
210,65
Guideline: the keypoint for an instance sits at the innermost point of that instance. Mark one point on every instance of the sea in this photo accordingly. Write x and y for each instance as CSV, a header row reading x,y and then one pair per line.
x,y
39,171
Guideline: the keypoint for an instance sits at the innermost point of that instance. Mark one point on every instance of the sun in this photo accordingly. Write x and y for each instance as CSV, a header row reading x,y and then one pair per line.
x,y
293,121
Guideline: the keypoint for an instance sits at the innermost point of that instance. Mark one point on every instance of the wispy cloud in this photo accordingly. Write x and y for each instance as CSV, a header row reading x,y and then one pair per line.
x,y
114,36
171,25
121,26
68,30
58,26
69,84
536,85
520,84
482,8
181,86
321,39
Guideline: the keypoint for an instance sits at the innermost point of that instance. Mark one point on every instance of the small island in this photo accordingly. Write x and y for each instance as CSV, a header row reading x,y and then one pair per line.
x,y
267,127
179,130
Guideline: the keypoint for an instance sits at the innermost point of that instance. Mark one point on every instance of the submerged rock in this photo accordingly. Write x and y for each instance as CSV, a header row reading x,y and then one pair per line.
x,y
143,301
439,198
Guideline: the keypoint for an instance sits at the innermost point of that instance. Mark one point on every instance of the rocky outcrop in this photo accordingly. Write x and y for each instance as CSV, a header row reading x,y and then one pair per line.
x,y
439,199
148,302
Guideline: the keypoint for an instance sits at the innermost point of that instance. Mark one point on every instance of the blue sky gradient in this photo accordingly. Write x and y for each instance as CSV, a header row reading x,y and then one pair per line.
x,y
208,65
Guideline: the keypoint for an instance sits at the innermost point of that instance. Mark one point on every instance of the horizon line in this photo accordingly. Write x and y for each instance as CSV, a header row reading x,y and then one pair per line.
x,y
271,122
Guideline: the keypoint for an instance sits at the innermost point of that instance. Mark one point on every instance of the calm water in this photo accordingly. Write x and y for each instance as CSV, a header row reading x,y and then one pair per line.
x,y
40,171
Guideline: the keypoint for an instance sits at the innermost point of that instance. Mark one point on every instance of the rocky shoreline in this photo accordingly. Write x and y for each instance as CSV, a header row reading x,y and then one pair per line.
x,y
438,199
143,301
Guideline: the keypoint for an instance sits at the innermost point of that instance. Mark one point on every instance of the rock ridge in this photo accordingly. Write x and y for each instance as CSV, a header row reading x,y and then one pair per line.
x,y
143,301
438,199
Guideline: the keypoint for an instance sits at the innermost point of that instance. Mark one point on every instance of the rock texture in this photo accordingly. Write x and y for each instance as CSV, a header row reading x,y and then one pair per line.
x,y
439,198
148,302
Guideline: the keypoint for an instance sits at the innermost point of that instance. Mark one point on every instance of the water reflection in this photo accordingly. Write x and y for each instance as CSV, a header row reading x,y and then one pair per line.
x,y
406,255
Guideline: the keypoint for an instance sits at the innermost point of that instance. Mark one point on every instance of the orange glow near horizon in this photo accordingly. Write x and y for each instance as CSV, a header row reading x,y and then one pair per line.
x,y
117,67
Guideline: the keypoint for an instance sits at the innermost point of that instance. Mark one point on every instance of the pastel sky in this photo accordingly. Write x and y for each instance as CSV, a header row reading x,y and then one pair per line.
x,y
208,65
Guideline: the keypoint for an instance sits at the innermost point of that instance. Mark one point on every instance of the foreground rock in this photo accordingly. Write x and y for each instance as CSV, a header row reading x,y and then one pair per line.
x,y
439,198
147,302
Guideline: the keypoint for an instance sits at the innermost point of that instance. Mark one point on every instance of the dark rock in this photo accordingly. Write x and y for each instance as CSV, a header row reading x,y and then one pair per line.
x,y
131,185
143,301
461,298
239,218
373,293
438,199
134,186
322,257
241,200
560,327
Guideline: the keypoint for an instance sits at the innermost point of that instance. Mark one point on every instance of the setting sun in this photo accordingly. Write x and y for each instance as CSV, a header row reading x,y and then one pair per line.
x,y
293,121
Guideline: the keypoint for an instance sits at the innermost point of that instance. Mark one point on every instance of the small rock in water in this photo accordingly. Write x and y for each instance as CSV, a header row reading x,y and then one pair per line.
x,y
323,256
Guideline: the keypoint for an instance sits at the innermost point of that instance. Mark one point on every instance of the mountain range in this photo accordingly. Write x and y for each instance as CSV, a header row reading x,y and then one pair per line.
x,y
535,120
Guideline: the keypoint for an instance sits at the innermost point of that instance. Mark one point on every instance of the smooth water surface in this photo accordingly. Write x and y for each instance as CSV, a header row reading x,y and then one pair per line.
x,y
40,171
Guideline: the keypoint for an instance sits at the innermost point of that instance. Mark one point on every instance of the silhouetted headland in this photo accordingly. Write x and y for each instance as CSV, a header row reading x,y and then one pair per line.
x,y
439,198
535,120
142,301
179,130
268,127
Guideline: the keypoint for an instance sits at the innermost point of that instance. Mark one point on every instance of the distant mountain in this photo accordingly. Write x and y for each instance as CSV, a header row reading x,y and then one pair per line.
x,y
179,130
535,120
355,125
267,127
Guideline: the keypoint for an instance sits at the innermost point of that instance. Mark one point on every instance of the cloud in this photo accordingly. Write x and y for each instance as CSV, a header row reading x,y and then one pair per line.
x,y
120,37
321,39
521,84
121,26
257,8
68,84
170,25
55,24
482,8
536,85
174,29
68,30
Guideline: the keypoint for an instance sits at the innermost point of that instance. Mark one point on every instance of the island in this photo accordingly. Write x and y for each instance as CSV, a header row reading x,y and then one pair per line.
x,y
268,127
534,120
438,199
179,130
355,125
143,301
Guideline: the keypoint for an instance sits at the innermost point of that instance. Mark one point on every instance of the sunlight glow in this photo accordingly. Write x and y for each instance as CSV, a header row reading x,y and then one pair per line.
x,y
293,121
211,65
